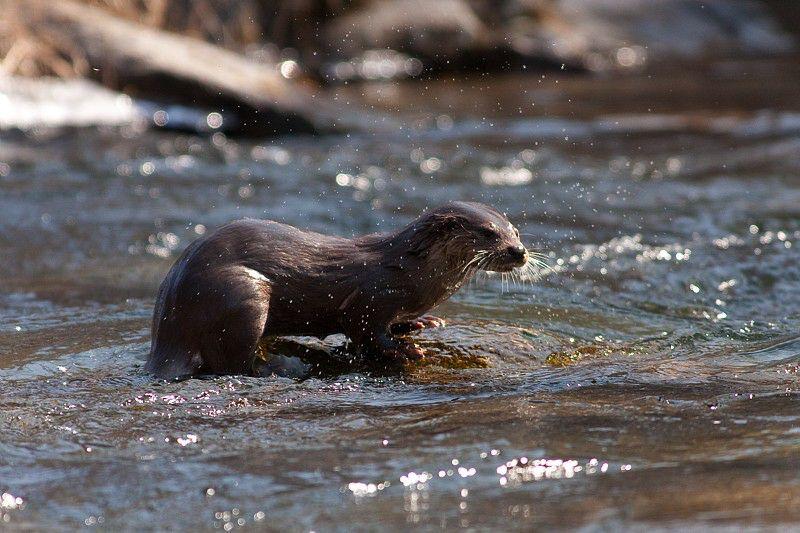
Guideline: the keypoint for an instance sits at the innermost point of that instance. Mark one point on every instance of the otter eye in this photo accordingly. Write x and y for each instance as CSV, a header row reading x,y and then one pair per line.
x,y
489,231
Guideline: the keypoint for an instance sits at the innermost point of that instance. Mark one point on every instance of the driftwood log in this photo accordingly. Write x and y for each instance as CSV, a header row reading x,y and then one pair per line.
x,y
169,68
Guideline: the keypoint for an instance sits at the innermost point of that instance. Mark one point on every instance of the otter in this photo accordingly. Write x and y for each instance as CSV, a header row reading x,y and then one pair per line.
x,y
254,278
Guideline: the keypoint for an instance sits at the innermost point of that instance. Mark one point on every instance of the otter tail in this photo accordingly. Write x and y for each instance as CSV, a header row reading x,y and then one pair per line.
x,y
166,361
168,357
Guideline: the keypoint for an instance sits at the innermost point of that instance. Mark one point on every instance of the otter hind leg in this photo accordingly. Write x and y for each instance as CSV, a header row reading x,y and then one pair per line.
x,y
238,311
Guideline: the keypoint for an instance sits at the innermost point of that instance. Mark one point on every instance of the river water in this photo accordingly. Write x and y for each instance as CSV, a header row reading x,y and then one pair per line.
x,y
649,379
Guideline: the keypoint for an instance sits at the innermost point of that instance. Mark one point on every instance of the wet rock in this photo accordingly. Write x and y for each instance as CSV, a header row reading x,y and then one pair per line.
x,y
438,31
27,103
605,34
594,34
47,104
446,35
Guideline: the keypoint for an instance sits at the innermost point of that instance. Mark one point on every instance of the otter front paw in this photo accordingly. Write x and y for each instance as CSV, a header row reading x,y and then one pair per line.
x,y
427,321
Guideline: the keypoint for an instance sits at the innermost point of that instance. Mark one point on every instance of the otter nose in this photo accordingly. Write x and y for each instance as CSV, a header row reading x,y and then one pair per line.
x,y
517,253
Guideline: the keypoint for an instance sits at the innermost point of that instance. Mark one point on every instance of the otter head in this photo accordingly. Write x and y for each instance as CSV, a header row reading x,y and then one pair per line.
x,y
480,236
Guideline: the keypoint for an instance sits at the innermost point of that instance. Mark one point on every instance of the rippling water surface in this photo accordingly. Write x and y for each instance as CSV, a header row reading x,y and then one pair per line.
x,y
650,379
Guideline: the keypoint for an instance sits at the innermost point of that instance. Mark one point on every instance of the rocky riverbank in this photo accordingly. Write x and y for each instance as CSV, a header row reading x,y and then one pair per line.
x,y
261,66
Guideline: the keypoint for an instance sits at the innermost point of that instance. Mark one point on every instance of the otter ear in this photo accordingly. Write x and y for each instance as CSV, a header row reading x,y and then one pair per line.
x,y
449,222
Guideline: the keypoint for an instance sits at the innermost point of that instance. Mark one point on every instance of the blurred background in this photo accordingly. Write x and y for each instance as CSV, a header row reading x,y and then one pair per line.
x,y
646,378
259,63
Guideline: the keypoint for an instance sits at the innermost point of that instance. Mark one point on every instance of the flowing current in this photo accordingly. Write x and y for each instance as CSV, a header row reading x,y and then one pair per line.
x,y
649,378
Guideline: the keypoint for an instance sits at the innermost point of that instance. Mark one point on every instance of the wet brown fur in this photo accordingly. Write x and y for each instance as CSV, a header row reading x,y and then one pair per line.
x,y
253,278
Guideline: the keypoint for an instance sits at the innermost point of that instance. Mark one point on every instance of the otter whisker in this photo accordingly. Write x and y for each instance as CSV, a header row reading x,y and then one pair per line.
x,y
532,273
473,264
539,265
516,278
466,267
527,274
540,258
475,258
524,274
535,269
486,259
481,260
